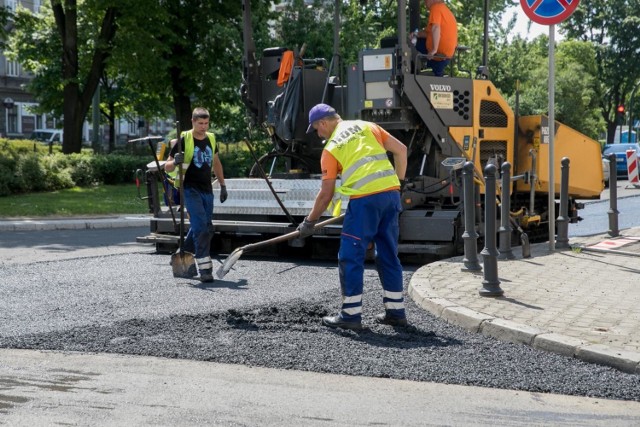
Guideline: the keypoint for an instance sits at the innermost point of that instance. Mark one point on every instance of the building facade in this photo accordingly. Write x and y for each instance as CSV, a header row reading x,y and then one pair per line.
x,y
18,119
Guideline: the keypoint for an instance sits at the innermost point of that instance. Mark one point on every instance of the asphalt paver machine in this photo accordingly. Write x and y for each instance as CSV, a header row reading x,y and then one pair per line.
x,y
443,121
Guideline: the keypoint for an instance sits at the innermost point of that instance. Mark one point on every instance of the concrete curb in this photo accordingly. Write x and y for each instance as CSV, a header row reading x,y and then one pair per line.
x,y
74,223
506,330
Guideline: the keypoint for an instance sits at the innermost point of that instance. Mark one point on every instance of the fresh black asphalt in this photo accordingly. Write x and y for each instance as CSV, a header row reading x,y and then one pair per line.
x,y
266,312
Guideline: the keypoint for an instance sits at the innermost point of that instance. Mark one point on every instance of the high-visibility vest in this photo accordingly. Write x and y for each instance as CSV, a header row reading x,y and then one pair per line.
x,y
189,146
366,168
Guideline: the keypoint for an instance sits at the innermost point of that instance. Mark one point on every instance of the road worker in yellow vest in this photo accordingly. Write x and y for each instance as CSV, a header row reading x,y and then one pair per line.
x,y
200,159
357,151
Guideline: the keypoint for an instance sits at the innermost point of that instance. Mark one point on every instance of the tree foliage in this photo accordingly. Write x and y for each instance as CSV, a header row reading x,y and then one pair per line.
x,y
67,52
154,56
611,26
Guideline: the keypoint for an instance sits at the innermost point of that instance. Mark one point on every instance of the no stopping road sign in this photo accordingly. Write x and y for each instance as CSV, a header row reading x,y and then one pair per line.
x,y
549,12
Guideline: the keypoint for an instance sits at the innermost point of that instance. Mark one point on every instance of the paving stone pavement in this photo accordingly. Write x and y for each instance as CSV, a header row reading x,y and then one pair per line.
x,y
582,302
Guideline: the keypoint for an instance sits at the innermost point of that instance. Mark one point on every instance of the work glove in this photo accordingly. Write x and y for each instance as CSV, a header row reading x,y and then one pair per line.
x,y
223,193
178,158
307,228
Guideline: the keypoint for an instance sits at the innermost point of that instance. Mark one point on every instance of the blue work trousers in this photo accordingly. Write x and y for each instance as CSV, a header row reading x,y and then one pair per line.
x,y
198,240
369,219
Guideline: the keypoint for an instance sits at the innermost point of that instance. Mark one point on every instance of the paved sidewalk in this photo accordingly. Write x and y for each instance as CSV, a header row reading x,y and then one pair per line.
x,y
583,302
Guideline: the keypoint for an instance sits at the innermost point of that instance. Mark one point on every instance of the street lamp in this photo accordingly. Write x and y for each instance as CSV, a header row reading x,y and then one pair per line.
x,y
8,104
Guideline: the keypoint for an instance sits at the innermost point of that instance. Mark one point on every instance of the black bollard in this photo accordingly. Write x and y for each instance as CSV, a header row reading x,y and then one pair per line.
x,y
505,211
562,239
491,283
613,198
469,236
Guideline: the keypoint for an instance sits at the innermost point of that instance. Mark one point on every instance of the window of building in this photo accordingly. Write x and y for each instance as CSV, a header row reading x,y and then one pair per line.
x,y
10,5
12,120
13,69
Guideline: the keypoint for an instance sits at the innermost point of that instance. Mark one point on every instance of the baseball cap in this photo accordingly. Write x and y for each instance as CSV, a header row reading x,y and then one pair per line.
x,y
319,112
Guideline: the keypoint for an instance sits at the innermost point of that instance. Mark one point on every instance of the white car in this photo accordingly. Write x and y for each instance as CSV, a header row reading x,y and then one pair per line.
x,y
47,136
605,171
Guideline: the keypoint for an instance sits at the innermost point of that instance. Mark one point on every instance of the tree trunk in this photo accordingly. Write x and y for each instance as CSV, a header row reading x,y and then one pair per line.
x,y
181,100
74,114
611,132
76,101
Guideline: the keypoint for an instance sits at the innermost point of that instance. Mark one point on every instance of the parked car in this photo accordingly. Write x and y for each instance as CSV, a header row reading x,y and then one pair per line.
x,y
47,136
620,150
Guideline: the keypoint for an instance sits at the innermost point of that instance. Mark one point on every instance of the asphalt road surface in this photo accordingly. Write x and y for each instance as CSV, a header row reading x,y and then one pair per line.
x,y
96,291
595,214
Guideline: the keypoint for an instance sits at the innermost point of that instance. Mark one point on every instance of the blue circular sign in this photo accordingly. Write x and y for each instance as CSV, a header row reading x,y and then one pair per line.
x,y
548,12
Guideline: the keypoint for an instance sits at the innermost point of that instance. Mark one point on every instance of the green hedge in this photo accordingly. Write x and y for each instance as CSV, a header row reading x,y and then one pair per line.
x,y
27,167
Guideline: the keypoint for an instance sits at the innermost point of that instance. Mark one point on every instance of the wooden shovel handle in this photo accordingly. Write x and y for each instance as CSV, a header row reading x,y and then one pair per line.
x,y
290,236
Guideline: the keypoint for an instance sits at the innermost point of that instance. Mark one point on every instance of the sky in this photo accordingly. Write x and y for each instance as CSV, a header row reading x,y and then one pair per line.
x,y
523,20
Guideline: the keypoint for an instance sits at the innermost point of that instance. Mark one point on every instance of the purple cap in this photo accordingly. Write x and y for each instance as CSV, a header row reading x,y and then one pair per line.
x,y
319,112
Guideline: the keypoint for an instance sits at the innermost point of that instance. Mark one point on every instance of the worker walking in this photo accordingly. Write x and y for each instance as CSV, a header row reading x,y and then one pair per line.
x,y
357,150
200,156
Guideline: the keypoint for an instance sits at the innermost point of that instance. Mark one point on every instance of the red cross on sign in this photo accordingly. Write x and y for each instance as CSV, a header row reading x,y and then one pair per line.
x,y
548,12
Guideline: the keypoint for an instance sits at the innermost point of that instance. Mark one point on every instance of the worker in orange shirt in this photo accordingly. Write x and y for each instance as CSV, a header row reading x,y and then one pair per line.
x,y
441,36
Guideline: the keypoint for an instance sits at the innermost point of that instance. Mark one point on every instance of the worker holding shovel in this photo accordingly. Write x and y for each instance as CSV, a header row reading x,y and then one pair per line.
x,y
200,159
357,150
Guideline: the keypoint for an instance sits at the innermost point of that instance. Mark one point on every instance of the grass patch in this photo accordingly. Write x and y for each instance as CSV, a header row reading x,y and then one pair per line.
x,y
99,200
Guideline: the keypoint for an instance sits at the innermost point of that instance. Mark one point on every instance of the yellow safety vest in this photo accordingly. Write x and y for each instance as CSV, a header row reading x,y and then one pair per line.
x,y
188,152
366,169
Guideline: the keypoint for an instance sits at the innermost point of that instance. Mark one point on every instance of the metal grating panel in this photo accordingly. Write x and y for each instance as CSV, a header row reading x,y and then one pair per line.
x,y
249,196
492,149
492,115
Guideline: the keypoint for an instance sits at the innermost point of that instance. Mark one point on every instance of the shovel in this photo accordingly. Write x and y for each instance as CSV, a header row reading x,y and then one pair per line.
x,y
181,261
236,254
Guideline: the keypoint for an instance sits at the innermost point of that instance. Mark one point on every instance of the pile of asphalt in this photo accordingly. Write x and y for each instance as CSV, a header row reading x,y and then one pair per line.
x,y
267,313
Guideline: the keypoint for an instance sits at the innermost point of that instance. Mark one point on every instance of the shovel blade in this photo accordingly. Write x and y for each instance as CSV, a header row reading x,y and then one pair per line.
x,y
183,265
229,262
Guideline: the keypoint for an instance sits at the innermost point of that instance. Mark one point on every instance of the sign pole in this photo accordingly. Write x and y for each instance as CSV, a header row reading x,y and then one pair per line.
x,y
550,12
552,131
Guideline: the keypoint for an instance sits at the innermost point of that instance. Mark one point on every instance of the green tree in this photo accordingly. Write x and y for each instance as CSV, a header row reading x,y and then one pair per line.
x,y
66,58
611,26
131,86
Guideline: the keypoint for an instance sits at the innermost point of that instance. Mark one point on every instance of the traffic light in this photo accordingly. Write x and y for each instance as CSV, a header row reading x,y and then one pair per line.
x,y
620,114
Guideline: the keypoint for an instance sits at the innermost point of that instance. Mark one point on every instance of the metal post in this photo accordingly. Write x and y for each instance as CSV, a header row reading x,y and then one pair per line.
x,y
613,198
552,133
562,239
505,211
633,93
533,178
95,119
469,236
491,283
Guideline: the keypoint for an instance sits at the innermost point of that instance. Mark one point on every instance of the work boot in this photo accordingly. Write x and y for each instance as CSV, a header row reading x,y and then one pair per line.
x,y
206,276
339,322
384,319
192,271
